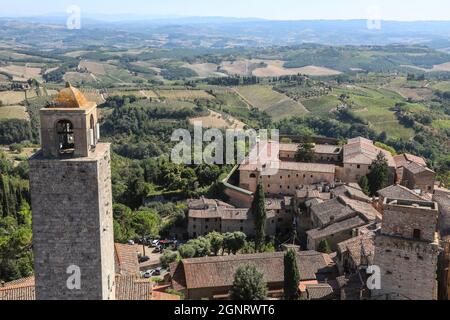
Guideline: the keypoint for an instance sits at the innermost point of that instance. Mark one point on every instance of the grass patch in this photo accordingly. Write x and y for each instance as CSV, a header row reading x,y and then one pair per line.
x,y
13,112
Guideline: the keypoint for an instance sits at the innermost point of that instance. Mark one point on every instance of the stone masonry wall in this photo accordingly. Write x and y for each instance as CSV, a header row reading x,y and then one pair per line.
x,y
408,269
72,225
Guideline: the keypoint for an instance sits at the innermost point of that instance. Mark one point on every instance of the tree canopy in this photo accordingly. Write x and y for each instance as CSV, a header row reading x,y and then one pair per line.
x,y
248,285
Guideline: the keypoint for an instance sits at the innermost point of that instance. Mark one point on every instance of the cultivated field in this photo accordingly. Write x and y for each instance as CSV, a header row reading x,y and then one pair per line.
x,y
417,94
321,106
275,104
96,68
275,68
93,95
13,112
21,73
205,70
183,94
219,121
374,106
12,97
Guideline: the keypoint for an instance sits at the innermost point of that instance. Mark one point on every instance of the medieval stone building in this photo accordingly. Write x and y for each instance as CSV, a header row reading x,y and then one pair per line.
x,y
407,250
70,181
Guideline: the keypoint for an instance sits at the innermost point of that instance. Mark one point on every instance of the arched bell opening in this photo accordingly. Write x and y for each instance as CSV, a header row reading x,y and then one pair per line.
x,y
66,137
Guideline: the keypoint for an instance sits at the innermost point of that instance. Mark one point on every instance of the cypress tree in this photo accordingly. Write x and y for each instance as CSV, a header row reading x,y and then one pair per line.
x,y
379,174
260,217
291,276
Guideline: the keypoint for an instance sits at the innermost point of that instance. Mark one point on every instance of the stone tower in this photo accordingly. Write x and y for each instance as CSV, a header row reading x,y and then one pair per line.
x,y
71,197
407,251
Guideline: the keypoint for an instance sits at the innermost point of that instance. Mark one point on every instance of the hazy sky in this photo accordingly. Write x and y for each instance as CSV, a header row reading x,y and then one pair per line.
x,y
269,9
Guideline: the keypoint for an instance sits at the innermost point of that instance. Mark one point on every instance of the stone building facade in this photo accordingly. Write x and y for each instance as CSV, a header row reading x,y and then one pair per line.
x,y
290,177
71,198
417,177
215,215
407,250
359,154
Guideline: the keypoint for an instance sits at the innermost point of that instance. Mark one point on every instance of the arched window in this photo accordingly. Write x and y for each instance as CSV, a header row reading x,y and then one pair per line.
x,y
253,176
66,138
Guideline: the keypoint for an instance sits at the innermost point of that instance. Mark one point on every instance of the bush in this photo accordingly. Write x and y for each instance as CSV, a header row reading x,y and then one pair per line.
x,y
16,147
248,285
168,257
187,251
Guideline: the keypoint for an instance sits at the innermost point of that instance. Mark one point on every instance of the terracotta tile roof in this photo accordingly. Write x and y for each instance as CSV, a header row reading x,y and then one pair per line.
x,y
331,211
226,214
126,259
133,288
128,287
318,148
71,97
345,225
327,149
22,289
321,291
415,168
404,159
269,159
358,247
399,192
366,210
363,151
212,272
162,296
205,203
351,190
307,167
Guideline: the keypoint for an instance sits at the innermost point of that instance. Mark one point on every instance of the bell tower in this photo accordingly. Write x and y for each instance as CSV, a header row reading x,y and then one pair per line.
x,y
71,198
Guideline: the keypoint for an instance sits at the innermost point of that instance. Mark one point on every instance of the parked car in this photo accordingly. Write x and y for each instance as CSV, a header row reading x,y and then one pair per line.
x,y
131,242
158,271
149,273
155,243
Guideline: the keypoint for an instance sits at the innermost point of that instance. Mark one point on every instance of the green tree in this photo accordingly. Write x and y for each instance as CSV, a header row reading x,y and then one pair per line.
x,y
291,276
305,152
248,285
364,184
201,245
234,242
324,247
187,251
216,239
168,257
379,174
260,217
145,224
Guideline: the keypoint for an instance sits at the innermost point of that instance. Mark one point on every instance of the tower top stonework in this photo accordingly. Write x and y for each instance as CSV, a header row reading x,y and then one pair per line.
x,y
69,125
71,199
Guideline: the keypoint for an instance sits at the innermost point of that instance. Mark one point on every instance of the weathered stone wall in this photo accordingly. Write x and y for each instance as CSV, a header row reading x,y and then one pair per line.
x,y
408,269
423,181
408,264
285,182
72,225
402,221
